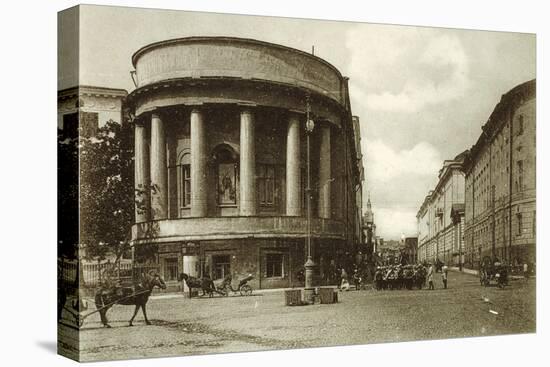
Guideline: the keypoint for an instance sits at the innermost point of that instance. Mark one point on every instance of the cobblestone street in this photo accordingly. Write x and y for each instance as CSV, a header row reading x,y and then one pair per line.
x,y
182,326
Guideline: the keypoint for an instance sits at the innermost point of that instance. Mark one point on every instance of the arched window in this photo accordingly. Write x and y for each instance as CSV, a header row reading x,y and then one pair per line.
x,y
184,180
226,160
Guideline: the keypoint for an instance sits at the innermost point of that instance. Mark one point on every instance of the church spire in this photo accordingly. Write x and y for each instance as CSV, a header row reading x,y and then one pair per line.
x,y
369,206
369,215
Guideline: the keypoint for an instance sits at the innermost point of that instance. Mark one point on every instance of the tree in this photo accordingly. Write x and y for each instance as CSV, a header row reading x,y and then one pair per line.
x,y
106,190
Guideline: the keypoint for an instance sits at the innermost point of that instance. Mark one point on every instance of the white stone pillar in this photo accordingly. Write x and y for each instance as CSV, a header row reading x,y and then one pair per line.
x,y
159,192
198,165
325,177
293,168
140,173
247,187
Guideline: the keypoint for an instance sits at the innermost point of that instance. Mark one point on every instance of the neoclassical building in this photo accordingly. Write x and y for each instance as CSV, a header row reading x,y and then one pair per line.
x,y
501,182
87,108
440,219
221,151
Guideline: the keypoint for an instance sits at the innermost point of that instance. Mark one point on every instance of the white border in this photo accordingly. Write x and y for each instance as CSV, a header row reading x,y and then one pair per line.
x,y
28,181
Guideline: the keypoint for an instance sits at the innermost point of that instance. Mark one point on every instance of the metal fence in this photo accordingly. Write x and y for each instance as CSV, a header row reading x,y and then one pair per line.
x,y
92,274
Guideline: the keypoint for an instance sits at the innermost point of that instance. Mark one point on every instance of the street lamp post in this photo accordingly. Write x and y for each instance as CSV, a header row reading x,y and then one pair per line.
x,y
309,265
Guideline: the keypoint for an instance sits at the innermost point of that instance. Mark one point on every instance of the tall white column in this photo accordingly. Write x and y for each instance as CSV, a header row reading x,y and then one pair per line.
x,y
293,168
198,165
140,173
159,192
247,187
325,178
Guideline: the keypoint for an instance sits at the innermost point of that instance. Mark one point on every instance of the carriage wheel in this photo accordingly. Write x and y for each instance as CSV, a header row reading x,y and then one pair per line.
x,y
246,290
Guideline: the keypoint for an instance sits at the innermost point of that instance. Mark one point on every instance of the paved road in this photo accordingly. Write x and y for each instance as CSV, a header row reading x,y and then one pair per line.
x,y
182,326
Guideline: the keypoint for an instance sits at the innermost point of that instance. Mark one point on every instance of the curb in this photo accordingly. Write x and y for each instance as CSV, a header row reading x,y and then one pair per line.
x,y
171,295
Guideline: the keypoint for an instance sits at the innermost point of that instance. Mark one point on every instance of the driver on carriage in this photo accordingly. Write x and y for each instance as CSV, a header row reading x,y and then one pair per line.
x,y
226,281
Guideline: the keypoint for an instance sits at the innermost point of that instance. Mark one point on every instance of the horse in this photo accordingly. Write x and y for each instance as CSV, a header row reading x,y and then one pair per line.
x,y
204,283
136,296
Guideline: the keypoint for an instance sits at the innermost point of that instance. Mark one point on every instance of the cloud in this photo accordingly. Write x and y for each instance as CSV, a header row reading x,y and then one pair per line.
x,y
385,164
391,223
405,69
397,181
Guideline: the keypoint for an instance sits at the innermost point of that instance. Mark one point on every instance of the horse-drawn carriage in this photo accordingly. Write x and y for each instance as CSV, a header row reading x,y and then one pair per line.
x,y
108,293
206,284
492,271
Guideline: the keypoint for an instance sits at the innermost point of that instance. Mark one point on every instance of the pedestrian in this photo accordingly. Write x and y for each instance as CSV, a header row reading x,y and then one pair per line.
x,y
431,271
444,271
526,271
344,285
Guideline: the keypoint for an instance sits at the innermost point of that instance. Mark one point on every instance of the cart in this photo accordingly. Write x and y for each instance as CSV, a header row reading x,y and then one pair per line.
x,y
243,288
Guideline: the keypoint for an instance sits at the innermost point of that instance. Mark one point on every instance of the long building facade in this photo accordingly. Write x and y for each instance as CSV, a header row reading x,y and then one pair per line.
x,y
440,219
500,195
221,153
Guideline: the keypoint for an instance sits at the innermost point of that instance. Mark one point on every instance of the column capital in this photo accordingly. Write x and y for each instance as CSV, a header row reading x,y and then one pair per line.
x,y
139,122
158,112
247,110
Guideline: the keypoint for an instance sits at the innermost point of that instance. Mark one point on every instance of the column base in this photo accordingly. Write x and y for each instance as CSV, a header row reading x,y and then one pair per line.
x,y
309,296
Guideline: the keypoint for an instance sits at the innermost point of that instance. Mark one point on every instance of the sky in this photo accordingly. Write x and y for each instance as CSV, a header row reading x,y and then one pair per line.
x,y
422,94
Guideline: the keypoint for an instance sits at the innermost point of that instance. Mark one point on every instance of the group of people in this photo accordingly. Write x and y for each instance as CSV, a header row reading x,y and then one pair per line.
x,y
408,276
354,271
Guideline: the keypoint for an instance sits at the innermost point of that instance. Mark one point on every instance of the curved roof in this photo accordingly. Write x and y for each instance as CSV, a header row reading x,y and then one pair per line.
x,y
199,39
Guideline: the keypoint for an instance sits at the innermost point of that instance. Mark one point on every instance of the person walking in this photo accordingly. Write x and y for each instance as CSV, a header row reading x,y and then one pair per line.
x,y
526,271
444,271
344,285
431,272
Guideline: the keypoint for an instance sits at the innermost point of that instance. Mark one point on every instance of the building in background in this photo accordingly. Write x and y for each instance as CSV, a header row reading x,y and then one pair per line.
x,y
500,201
91,105
360,185
369,231
440,217
220,137
411,249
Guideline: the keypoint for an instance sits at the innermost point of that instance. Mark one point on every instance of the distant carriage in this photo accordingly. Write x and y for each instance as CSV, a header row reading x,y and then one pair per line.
x,y
491,270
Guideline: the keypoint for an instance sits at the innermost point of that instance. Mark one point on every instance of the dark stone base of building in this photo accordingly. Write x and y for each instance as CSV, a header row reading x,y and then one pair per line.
x,y
274,263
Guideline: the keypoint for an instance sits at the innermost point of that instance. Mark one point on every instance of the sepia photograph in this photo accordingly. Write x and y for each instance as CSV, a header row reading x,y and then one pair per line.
x,y
236,183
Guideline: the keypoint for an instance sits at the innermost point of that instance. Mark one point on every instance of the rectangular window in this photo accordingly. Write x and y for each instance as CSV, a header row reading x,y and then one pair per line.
x,y
186,185
520,176
70,126
221,265
274,265
89,124
171,268
520,223
266,184
520,125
